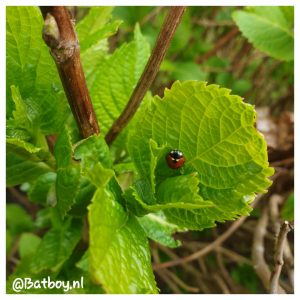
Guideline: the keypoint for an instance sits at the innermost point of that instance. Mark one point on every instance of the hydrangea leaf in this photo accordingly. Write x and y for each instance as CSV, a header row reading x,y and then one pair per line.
x,y
56,246
38,191
159,229
116,77
92,150
30,67
20,170
216,133
96,26
68,173
28,151
268,28
118,246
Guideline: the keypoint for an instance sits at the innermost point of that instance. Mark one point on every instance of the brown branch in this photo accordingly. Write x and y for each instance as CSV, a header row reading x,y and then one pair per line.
x,y
162,43
278,257
221,42
60,36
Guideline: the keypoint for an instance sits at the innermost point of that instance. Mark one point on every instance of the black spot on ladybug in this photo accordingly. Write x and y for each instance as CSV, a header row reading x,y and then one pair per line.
x,y
175,159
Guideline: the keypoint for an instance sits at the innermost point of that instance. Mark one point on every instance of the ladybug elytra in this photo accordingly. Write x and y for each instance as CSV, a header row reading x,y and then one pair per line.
x,y
175,159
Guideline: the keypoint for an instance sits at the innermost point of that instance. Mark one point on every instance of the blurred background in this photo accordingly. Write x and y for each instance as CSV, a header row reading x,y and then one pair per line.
x,y
208,46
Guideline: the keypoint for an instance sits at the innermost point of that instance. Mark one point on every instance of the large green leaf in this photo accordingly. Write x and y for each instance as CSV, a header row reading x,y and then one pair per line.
x,y
116,77
119,251
56,246
226,158
269,29
30,67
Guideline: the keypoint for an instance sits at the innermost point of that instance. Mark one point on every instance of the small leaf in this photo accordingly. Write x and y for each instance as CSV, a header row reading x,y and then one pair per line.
x,y
118,246
268,29
20,170
39,189
56,246
92,150
96,26
68,173
159,229
28,151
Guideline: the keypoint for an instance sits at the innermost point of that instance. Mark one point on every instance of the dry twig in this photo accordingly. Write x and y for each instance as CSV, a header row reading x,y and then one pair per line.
x,y
205,250
278,257
220,43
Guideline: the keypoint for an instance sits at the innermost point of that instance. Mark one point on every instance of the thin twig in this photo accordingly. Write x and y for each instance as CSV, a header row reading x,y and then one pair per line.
x,y
216,243
162,43
220,43
278,257
219,280
212,23
60,36
205,250
234,256
162,274
200,278
258,250
181,283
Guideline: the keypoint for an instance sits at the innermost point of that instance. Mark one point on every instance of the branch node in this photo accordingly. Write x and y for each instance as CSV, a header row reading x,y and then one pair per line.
x,y
51,34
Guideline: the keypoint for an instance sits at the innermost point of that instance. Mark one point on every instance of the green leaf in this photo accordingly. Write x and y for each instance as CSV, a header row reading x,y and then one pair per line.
x,y
28,244
95,158
30,67
116,77
19,170
28,151
68,173
118,246
159,229
92,150
96,26
287,212
56,246
40,188
268,29
226,158
17,219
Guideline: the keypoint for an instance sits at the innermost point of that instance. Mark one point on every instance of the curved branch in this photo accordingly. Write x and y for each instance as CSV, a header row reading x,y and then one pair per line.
x,y
162,44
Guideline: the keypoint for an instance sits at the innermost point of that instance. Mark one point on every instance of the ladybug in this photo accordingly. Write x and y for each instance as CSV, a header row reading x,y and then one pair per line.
x,y
175,159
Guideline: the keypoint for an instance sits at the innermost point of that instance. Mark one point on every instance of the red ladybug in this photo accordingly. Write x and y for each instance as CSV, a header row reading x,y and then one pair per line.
x,y
175,159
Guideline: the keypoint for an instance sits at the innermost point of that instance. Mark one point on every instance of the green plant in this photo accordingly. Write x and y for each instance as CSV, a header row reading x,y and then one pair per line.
x,y
226,159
